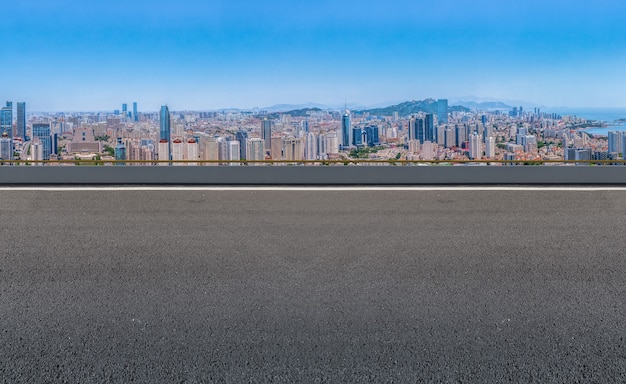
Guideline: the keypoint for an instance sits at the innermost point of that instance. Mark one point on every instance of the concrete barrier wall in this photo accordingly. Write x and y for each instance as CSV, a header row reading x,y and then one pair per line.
x,y
318,175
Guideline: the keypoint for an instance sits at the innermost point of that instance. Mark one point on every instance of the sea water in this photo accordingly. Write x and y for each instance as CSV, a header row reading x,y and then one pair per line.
x,y
610,116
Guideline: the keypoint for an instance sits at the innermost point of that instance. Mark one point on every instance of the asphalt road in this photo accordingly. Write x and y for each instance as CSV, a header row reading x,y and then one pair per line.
x,y
293,286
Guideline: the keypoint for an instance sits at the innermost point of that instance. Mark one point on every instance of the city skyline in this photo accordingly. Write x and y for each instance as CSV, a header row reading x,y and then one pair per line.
x,y
62,56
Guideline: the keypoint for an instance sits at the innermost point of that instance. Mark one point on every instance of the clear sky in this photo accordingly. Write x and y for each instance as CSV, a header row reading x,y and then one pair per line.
x,y
210,54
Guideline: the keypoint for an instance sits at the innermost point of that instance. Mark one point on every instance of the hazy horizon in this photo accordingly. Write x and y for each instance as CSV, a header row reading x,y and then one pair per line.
x,y
66,56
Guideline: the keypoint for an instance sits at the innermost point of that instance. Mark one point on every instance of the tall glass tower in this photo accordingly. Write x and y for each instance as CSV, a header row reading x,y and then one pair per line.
x,y
164,133
242,137
135,116
41,132
21,120
442,111
346,130
266,133
429,127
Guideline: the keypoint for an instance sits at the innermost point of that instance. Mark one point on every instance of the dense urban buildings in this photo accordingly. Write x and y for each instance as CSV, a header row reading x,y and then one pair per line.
x,y
437,131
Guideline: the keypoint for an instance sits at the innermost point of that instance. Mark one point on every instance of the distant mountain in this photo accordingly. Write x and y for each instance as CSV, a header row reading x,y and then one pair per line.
x,y
303,112
325,107
293,107
485,105
410,107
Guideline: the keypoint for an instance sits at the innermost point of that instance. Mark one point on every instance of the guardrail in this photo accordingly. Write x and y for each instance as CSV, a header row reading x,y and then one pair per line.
x,y
353,173
308,162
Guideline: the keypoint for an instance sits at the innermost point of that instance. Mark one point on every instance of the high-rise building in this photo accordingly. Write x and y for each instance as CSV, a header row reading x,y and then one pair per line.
x,y
191,151
310,148
36,150
411,129
242,137
232,151
450,137
623,142
124,109
615,141
135,115
165,131
420,130
6,120
490,147
372,136
321,146
163,151
346,130
276,152
211,150
442,111
475,146
120,151
6,147
357,137
461,136
332,143
293,149
255,150
41,133
178,151
429,128
266,133
21,120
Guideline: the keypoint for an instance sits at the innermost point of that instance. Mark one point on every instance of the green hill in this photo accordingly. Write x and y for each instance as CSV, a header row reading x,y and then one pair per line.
x,y
410,107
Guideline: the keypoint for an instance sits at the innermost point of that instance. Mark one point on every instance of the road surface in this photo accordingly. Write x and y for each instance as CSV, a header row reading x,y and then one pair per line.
x,y
312,286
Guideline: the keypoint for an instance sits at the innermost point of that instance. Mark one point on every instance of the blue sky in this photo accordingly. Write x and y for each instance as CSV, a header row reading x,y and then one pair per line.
x,y
84,55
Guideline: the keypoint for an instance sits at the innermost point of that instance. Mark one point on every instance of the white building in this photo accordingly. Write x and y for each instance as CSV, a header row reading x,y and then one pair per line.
x,y
162,151
475,146
191,151
255,150
490,147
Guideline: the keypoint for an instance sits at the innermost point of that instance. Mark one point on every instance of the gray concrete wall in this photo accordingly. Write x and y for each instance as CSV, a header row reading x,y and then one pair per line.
x,y
318,175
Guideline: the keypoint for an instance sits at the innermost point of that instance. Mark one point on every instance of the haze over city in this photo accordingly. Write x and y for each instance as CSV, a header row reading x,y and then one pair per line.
x,y
195,55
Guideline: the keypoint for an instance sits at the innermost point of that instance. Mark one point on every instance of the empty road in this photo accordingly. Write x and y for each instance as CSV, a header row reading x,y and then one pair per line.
x,y
282,286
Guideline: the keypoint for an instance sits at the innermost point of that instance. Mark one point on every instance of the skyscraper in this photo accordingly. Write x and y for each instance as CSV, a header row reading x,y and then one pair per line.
x,y
615,142
41,132
372,136
229,150
135,115
346,130
266,133
623,149
490,147
21,120
6,120
475,146
255,150
164,133
411,132
429,127
242,137
420,130
310,147
442,111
